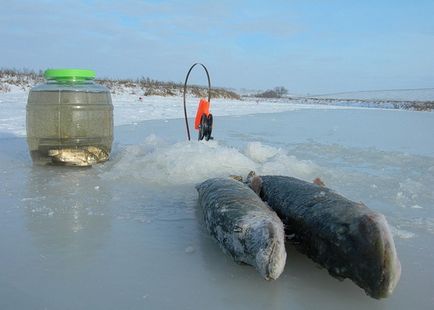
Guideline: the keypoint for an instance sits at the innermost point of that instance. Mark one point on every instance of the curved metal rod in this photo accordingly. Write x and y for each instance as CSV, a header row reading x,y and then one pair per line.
x,y
185,91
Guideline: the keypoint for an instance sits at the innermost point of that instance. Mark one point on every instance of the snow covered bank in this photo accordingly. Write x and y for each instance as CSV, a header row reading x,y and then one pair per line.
x,y
15,80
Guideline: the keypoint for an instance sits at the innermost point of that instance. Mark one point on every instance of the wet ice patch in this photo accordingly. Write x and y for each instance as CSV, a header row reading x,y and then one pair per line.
x,y
409,192
189,250
420,225
401,233
33,198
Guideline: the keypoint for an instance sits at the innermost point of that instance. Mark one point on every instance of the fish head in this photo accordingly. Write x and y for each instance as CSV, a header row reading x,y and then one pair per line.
x,y
265,241
377,249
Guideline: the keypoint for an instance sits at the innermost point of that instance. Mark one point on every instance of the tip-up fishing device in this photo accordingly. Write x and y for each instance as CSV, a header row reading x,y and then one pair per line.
x,y
203,120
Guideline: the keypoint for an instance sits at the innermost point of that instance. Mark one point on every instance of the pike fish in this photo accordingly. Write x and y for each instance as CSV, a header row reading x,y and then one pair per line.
x,y
245,228
346,237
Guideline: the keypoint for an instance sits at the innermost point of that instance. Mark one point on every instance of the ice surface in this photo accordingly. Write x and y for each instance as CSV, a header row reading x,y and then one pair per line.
x,y
129,234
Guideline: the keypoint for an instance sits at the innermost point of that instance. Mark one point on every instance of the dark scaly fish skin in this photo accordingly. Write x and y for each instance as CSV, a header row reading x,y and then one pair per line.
x,y
243,225
347,238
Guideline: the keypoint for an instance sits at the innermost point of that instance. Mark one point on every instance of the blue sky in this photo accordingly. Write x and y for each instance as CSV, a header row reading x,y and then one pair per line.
x,y
307,46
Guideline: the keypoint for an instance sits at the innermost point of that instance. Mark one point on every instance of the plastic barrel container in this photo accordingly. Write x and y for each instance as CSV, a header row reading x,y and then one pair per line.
x,y
69,119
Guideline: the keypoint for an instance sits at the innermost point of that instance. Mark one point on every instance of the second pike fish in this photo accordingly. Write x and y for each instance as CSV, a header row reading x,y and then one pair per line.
x,y
346,237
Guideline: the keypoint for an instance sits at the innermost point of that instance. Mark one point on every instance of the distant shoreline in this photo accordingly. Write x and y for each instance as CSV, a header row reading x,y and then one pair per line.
x,y
12,80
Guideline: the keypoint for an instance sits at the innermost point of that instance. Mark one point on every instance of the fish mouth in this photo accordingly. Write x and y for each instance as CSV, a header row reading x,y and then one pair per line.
x,y
382,247
270,260
272,272
391,263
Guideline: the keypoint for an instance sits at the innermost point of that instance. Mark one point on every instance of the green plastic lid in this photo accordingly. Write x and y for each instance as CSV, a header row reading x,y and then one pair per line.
x,y
69,74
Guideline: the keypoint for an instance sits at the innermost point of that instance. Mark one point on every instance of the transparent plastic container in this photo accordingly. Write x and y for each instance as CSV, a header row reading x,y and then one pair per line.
x,y
69,119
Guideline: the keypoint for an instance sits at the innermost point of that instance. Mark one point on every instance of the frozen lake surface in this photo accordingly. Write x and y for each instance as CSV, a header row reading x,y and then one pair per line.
x,y
128,234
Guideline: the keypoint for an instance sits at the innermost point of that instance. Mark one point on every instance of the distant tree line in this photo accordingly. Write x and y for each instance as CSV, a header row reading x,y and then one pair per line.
x,y
276,92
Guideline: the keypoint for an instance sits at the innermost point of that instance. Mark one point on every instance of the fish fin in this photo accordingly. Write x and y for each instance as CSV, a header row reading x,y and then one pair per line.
x,y
256,184
251,175
236,177
318,182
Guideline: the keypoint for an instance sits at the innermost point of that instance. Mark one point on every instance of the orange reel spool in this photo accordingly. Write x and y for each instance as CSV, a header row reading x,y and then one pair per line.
x,y
203,108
